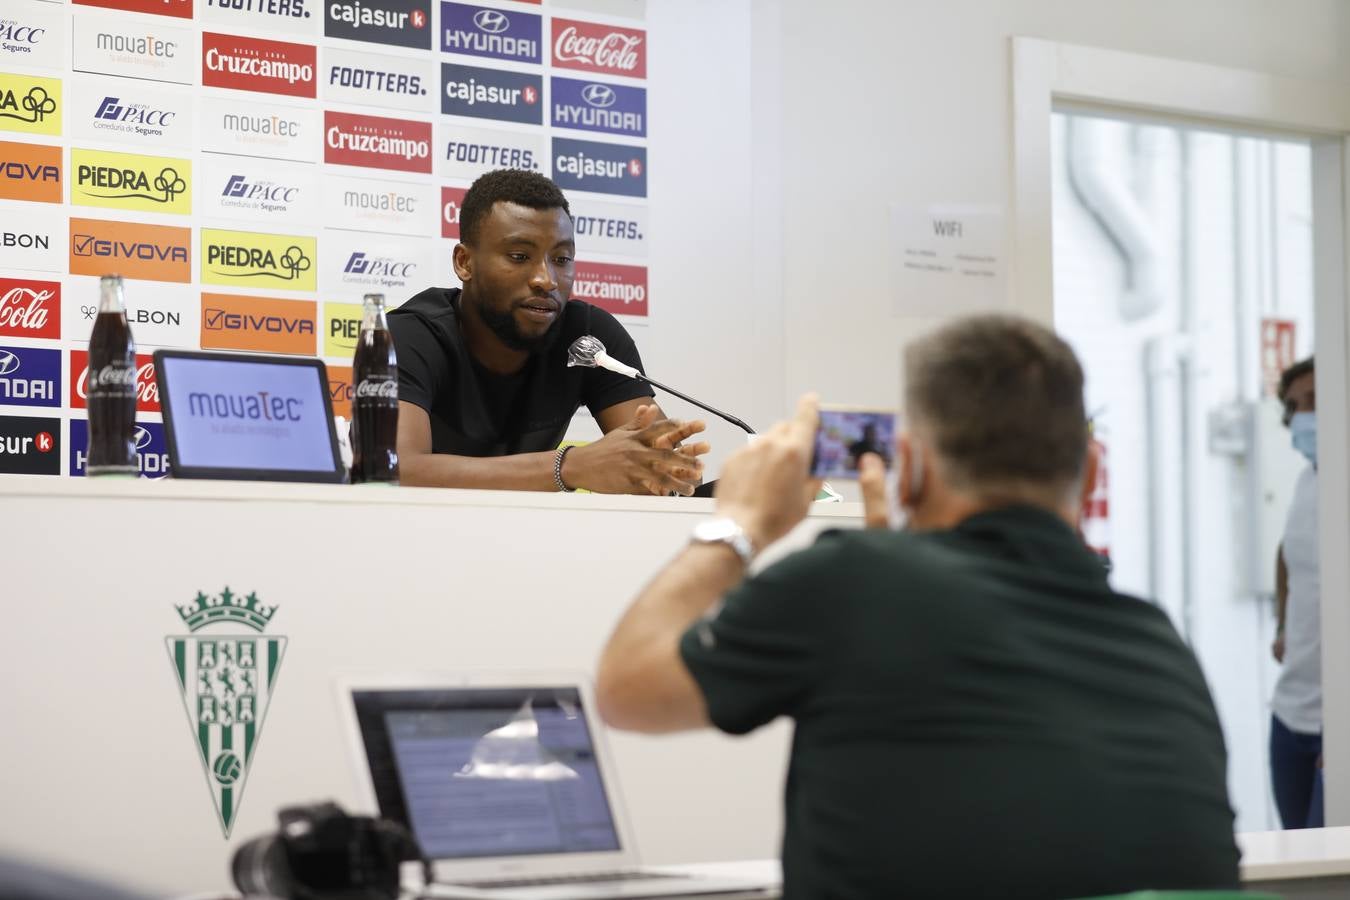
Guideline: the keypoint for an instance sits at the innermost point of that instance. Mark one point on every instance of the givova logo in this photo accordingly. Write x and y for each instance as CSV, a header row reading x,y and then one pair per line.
x,y
30,445
152,454
491,94
494,33
401,23
257,323
30,172
128,181
30,105
152,252
263,260
30,376
600,168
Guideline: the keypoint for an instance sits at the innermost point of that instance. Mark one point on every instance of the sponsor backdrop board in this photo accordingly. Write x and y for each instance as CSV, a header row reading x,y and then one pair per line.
x,y
252,168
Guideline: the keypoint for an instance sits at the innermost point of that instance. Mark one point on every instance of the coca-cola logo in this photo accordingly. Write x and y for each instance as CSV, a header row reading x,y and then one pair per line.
x,y
382,390
599,48
30,308
142,377
110,376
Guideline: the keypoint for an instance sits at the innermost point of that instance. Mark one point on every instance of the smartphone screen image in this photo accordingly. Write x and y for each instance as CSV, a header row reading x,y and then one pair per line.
x,y
845,434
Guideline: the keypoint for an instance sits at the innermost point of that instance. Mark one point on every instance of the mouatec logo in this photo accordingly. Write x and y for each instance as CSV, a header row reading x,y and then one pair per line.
x,y
617,289
592,47
128,181
493,33
152,252
130,48
30,172
258,260
258,323
377,143
591,106
401,23
180,9
30,308
491,94
600,168
253,64
30,445
30,376
147,388
30,105
259,406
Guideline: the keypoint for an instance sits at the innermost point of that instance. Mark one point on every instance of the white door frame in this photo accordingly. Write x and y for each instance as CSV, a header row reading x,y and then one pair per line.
x,y
1045,73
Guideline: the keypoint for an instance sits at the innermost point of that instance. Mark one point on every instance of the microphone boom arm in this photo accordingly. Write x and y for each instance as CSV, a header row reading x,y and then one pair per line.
x,y
700,404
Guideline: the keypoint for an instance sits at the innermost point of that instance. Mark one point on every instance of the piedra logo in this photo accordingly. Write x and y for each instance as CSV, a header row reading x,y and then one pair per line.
x,y
237,257
226,680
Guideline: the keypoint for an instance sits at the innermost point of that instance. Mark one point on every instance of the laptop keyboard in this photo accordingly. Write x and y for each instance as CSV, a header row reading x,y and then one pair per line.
x,y
582,878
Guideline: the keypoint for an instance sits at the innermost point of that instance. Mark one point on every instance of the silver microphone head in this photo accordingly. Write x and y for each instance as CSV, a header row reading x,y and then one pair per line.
x,y
583,351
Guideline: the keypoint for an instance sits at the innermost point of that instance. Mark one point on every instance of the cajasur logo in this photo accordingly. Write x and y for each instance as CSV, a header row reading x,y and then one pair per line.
x,y
226,681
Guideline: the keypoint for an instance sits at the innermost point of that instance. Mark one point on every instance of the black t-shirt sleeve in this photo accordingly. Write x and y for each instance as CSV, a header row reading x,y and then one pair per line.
x,y
423,367
603,388
760,655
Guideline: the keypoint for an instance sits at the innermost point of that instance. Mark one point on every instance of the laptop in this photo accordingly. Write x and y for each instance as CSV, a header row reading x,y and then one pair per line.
x,y
508,787
247,416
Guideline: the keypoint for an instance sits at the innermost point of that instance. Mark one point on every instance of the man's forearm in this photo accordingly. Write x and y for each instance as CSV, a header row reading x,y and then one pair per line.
x,y
520,472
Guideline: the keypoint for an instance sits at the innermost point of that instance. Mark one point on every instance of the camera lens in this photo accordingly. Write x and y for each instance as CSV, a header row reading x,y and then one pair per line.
x,y
259,867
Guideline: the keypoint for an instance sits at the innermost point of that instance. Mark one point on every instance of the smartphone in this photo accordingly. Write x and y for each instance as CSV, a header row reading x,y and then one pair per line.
x,y
845,434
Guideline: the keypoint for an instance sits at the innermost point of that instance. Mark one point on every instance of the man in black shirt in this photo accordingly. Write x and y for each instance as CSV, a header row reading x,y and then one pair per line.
x,y
977,713
484,388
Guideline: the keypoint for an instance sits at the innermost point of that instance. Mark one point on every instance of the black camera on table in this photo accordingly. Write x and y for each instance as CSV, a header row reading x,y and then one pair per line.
x,y
321,853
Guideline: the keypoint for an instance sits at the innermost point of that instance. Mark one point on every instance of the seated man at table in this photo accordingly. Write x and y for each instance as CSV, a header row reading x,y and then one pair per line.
x,y
978,713
484,388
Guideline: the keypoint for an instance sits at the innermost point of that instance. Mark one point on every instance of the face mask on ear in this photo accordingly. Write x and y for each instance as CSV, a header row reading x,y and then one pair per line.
x,y
1303,435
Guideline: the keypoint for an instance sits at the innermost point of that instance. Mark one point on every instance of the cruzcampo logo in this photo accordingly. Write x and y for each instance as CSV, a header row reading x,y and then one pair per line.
x,y
226,681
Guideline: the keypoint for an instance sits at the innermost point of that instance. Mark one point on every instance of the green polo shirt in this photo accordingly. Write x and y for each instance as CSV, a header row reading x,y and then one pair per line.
x,y
977,714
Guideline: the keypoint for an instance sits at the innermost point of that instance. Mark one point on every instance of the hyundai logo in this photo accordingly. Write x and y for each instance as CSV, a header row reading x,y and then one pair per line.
x,y
9,363
601,95
142,438
491,21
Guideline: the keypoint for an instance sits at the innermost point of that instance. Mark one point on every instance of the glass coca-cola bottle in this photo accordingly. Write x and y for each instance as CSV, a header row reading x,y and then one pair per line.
x,y
111,387
374,398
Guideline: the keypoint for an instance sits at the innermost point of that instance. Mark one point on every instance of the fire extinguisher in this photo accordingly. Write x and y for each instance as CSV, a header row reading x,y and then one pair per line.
x,y
1096,521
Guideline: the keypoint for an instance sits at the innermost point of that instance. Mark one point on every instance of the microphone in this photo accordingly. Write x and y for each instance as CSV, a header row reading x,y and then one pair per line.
x,y
588,352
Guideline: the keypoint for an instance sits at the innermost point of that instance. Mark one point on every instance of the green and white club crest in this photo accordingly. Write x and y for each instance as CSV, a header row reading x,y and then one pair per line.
x,y
226,681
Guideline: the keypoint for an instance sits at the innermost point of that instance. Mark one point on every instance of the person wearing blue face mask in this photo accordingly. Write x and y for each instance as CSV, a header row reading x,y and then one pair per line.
x,y
1296,707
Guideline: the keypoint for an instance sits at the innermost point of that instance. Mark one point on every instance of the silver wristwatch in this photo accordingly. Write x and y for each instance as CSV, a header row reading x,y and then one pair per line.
x,y
725,531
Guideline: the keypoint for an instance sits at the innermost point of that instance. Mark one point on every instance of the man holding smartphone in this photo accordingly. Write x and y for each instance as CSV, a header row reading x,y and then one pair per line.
x,y
977,712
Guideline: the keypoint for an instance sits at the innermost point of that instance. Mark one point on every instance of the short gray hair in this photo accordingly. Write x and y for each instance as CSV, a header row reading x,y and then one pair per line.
x,y
1002,399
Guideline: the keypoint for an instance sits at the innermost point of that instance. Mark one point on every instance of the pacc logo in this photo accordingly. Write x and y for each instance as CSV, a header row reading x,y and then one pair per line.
x,y
376,142
20,38
382,271
494,33
592,106
601,168
147,388
592,47
402,23
613,288
126,181
233,257
260,194
29,104
30,445
30,308
29,376
132,118
452,199
491,94
258,323
154,252
181,9
152,455
30,172
253,64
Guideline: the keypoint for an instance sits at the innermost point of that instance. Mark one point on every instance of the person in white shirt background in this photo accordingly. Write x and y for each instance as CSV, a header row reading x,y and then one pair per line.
x,y
1296,707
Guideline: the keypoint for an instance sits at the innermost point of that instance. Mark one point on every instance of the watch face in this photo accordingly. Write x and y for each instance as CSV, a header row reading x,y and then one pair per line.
x,y
716,530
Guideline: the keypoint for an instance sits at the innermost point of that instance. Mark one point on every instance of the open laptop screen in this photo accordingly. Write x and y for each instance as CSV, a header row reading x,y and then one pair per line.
x,y
242,416
488,772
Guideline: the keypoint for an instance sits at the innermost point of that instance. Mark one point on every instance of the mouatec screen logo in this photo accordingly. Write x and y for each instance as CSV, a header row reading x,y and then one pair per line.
x,y
128,181
592,106
258,260
600,168
400,23
152,252
152,453
147,388
621,290
30,376
492,94
30,105
606,49
180,9
493,33
30,172
30,445
30,309
253,64
258,323
375,142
